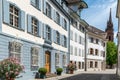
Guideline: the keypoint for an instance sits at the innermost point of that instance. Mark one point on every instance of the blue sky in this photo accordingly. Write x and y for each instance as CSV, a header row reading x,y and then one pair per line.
x,y
97,14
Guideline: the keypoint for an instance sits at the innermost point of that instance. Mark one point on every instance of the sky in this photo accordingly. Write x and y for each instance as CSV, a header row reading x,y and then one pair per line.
x,y
97,14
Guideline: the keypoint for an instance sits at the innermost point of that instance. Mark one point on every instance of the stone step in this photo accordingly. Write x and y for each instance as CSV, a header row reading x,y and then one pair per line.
x,y
48,75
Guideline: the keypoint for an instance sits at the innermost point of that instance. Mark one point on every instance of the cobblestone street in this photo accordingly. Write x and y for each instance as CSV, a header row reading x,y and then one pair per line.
x,y
92,77
104,75
109,74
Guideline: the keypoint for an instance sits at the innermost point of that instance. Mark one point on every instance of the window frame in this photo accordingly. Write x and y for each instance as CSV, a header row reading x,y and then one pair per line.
x,y
48,33
13,15
58,18
34,26
57,61
91,51
34,58
57,37
15,50
65,41
48,10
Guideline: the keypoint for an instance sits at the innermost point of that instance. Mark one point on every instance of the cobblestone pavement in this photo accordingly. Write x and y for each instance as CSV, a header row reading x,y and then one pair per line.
x,y
90,76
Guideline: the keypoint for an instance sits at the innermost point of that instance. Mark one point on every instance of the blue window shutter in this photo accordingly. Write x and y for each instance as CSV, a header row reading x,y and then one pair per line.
x,y
61,21
67,27
40,3
55,36
53,16
61,40
39,29
44,31
44,6
22,20
29,23
67,42
42,28
51,34
32,2
6,11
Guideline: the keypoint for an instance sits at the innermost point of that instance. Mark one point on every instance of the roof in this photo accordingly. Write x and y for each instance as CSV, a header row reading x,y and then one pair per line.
x,y
96,32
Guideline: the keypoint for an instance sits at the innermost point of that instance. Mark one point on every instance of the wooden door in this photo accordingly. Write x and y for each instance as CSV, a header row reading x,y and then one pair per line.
x,y
47,61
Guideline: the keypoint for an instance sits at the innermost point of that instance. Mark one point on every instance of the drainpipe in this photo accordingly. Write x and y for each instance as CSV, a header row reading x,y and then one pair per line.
x,y
85,69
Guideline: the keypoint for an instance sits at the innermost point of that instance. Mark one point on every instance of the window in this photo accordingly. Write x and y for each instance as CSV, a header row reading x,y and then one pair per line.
x,y
48,33
48,10
65,24
83,65
96,64
65,41
96,51
57,59
75,37
80,40
15,50
91,40
97,41
75,51
34,26
79,65
58,37
91,64
103,53
64,60
71,50
83,53
34,58
79,52
57,18
35,3
71,35
91,51
14,16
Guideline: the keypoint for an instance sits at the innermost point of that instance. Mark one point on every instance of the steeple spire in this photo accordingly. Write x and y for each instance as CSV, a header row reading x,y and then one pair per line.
x,y
110,16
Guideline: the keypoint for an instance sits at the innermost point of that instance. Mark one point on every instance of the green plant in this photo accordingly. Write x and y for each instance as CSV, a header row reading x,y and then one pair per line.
x,y
10,68
71,66
59,71
42,71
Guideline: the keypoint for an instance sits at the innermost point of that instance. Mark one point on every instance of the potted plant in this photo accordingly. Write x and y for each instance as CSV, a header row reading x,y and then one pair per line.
x,y
42,72
10,68
59,71
71,67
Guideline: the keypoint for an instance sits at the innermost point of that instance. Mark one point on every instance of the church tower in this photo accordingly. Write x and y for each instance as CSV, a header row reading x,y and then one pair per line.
x,y
109,30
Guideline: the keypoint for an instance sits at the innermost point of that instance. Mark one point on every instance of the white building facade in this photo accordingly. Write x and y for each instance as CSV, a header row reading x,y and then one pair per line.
x,y
77,44
36,32
96,49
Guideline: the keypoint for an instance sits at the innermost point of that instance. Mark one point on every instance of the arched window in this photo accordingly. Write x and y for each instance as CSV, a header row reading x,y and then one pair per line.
x,y
34,58
15,49
57,59
91,51
64,60
96,51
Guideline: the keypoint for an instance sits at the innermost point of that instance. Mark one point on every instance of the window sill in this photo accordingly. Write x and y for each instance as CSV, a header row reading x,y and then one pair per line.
x,y
48,41
18,28
33,34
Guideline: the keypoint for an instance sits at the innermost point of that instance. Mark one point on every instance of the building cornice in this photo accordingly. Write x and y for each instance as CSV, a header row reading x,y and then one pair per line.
x,y
60,8
101,36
